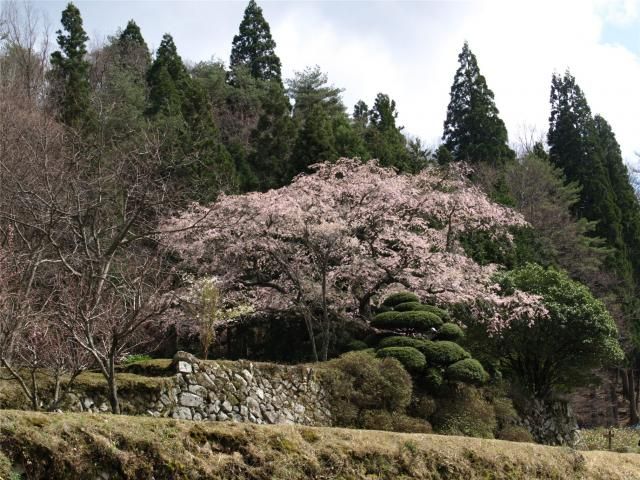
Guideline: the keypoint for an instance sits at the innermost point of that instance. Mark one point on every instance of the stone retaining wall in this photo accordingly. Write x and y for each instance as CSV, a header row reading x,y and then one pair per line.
x,y
239,391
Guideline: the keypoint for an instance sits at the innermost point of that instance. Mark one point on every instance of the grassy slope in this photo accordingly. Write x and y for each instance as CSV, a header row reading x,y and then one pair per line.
x,y
68,446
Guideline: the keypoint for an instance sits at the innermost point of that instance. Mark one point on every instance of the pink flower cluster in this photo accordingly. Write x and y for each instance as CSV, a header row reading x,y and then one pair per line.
x,y
344,236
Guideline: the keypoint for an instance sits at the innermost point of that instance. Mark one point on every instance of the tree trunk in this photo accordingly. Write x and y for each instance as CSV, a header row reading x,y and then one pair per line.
x,y
633,407
113,388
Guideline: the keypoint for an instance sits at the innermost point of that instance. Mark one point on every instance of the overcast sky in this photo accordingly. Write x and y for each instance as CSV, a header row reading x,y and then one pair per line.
x,y
409,50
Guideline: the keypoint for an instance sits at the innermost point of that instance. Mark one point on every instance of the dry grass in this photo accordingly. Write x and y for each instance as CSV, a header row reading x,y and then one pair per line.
x,y
70,446
624,440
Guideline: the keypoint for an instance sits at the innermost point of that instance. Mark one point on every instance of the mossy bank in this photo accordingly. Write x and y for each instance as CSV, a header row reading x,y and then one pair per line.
x,y
81,446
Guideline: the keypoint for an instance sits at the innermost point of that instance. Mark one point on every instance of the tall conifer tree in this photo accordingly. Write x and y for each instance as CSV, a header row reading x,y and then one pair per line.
x,y
70,71
254,47
473,131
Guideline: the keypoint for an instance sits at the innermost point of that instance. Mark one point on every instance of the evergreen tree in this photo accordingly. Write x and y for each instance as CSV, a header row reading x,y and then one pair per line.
x,y
272,141
383,138
310,87
70,71
574,147
315,142
179,106
473,131
254,47
132,50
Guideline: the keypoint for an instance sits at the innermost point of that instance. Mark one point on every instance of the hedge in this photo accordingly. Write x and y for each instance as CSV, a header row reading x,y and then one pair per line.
x,y
401,342
443,352
419,321
411,358
468,370
433,378
355,345
400,297
450,331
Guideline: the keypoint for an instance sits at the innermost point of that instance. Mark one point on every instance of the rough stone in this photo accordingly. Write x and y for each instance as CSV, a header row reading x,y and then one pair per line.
x,y
182,413
190,400
184,367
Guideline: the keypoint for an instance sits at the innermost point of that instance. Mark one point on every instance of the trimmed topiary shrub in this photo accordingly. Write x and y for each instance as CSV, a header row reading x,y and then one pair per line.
x,y
400,297
443,352
419,321
468,370
411,358
401,342
355,345
419,307
450,331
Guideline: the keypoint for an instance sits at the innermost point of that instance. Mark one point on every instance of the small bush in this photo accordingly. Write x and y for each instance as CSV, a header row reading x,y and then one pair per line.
x,y
450,331
401,342
419,321
515,433
443,352
355,345
420,307
423,406
465,412
468,370
400,297
394,422
359,381
411,358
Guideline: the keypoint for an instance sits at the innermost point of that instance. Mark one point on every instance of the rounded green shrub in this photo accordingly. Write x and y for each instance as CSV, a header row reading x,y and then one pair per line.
x,y
468,370
420,307
394,422
515,433
355,345
400,297
443,352
401,342
410,357
466,412
419,321
450,331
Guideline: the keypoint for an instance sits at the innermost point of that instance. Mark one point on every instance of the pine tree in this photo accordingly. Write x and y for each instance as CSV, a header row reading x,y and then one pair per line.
x,y
167,78
70,71
310,87
254,47
473,131
315,142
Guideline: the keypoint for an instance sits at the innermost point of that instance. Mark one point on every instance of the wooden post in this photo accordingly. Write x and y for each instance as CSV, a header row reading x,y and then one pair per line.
x,y
609,436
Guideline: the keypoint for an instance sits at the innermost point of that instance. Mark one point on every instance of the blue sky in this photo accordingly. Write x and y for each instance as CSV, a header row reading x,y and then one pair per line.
x,y
409,50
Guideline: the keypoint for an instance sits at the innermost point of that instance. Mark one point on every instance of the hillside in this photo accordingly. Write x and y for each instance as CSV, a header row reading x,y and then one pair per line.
x,y
69,446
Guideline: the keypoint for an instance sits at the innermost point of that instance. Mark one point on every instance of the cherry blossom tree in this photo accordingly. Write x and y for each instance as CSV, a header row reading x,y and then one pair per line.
x,y
333,241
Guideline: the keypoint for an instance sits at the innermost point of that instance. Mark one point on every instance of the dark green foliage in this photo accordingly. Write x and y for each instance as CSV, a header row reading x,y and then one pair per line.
x,y
410,358
401,342
254,47
419,321
419,307
443,352
315,141
355,345
473,131
70,71
433,378
558,350
310,88
450,331
195,156
400,297
468,370
443,155
384,140
358,382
